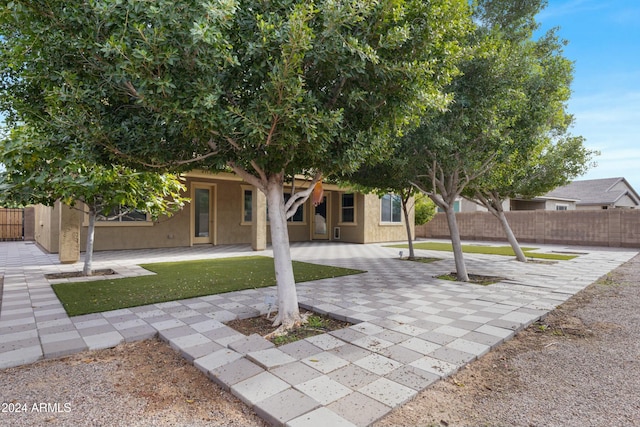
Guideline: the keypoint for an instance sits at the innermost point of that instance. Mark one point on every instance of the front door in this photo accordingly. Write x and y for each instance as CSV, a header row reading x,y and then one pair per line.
x,y
202,228
321,220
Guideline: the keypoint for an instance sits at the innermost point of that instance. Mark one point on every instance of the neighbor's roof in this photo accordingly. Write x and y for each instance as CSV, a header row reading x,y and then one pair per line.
x,y
595,191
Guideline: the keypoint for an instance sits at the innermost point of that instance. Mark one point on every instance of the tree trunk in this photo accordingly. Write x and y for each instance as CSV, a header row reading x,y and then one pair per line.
x,y
288,311
510,236
461,268
88,254
405,211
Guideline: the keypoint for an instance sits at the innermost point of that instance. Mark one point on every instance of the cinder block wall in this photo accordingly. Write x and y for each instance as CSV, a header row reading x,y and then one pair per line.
x,y
613,228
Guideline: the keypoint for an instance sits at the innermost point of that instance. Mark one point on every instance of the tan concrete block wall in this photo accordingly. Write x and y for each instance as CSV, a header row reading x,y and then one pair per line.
x,y
614,228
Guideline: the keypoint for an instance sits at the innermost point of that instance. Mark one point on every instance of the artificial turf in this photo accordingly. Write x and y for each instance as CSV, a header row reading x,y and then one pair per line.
x,y
481,249
182,280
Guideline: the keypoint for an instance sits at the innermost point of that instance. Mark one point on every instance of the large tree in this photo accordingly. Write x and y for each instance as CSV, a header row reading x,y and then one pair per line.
x,y
502,91
38,173
270,90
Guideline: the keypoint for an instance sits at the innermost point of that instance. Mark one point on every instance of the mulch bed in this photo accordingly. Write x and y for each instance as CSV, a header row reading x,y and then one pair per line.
x,y
319,324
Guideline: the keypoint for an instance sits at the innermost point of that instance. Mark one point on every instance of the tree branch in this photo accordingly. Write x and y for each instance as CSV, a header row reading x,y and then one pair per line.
x,y
259,183
297,199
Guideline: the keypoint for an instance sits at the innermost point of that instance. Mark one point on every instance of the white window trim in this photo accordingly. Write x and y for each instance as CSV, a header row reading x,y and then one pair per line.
x,y
391,223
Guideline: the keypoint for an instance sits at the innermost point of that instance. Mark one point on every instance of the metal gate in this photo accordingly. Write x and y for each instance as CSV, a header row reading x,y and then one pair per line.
x,y
11,224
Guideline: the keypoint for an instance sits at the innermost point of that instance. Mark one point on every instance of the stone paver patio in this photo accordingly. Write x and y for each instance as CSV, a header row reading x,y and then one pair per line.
x,y
410,329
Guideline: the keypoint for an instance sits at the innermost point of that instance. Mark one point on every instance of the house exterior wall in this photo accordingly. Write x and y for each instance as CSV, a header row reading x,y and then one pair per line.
x,y
614,228
375,231
352,232
227,224
625,202
46,232
527,205
552,205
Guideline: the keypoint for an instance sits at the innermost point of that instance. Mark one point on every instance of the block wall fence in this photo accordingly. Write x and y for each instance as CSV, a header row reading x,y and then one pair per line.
x,y
612,228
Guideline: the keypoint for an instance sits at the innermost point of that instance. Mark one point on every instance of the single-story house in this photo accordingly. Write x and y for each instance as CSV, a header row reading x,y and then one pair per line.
x,y
544,203
226,210
606,193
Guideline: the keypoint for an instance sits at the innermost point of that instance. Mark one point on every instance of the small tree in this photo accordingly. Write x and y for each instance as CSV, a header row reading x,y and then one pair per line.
x,y
37,174
425,209
509,96
393,175
528,175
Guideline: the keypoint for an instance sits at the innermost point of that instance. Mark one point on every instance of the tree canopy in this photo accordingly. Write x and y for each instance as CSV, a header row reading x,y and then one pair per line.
x,y
510,95
267,89
36,172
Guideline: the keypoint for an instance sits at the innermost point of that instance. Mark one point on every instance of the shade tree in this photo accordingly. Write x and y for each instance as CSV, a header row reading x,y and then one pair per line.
x,y
269,90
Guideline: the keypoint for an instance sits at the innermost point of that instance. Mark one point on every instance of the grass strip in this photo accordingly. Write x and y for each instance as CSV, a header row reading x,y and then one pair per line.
x,y
489,250
182,280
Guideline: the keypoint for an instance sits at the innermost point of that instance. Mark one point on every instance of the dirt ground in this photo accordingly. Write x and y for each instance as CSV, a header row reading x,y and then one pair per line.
x,y
580,366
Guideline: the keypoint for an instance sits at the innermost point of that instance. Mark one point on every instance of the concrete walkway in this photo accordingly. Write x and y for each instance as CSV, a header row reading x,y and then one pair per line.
x,y
410,330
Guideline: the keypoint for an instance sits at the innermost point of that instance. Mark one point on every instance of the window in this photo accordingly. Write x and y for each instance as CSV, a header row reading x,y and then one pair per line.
x,y
247,209
390,208
562,207
348,208
123,214
247,214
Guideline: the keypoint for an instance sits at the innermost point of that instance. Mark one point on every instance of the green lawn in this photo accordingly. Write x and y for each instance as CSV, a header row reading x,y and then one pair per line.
x,y
181,280
490,250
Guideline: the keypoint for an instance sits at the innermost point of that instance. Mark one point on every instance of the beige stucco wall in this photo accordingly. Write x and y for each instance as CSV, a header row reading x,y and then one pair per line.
x,y
375,231
229,228
349,232
46,231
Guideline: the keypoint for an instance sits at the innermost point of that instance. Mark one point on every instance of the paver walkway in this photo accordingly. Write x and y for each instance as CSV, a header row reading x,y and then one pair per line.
x,y
410,330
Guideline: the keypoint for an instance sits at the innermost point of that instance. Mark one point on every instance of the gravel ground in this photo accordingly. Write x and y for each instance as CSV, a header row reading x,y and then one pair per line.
x,y
579,367
141,384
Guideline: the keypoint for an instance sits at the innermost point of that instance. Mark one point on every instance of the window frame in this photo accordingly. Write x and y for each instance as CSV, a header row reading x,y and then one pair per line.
x,y
118,222
243,211
392,197
286,195
353,208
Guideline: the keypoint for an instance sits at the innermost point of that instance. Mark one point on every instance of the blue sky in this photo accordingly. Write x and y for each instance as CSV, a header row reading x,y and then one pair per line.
x,y
604,43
